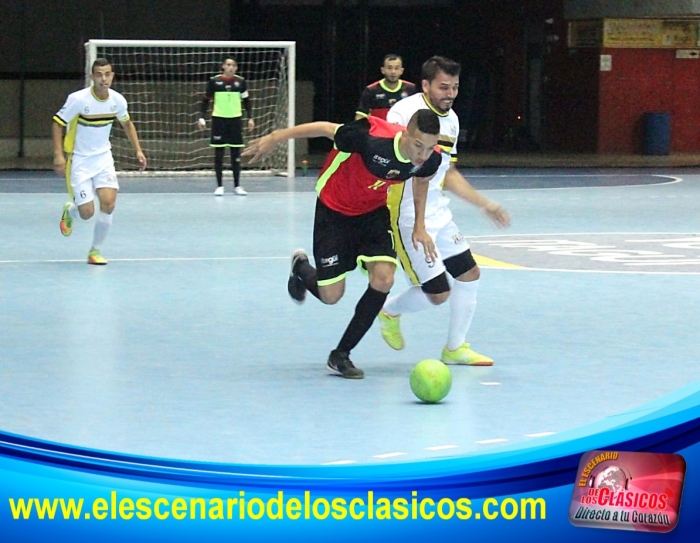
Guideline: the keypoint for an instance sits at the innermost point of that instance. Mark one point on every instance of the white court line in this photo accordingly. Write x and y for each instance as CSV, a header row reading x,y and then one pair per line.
x,y
436,448
162,259
441,447
582,234
234,258
389,455
673,181
265,179
534,175
475,239
490,383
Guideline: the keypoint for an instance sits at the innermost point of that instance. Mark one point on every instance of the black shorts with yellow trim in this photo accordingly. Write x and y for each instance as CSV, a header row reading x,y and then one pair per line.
x,y
226,132
342,242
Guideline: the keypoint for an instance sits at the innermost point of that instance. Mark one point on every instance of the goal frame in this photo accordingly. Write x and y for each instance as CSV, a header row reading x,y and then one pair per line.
x,y
91,47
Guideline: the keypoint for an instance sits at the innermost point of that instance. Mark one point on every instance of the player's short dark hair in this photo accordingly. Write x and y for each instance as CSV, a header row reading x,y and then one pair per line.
x,y
426,121
392,56
100,62
228,57
436,64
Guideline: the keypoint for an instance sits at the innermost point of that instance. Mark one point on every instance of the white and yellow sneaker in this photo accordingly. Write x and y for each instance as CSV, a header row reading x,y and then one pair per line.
x,y
465,356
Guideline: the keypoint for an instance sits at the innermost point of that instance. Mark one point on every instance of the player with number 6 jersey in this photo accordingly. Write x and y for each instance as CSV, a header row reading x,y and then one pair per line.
x,y
87,118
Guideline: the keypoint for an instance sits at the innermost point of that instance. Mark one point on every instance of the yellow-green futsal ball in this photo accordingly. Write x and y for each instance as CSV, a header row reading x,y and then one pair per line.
x,y
431,380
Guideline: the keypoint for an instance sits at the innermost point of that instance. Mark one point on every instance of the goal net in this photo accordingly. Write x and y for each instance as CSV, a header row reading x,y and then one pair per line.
x,y
164,82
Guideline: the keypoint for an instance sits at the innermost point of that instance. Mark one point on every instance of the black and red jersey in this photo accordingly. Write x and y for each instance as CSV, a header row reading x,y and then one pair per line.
x,y
365,160
377,98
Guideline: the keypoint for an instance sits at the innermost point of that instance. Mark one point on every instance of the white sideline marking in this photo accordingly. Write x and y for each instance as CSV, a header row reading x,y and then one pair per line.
x,y
389,455
441,447
162,259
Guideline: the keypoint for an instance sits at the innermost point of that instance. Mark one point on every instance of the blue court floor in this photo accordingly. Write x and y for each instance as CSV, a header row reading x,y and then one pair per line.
x,y
187,346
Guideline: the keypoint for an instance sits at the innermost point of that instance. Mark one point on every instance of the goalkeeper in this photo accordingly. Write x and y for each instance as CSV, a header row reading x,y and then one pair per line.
x,y
229,93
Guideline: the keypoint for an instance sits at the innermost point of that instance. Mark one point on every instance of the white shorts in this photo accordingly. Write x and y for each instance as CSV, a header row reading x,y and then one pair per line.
x,y
449,242
89,173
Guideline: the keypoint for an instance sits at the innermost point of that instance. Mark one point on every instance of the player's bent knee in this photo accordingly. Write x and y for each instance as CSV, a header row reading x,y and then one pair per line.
x,y
437,299
382,281
331,294
86,212
463,265
437,289
381,276
471,275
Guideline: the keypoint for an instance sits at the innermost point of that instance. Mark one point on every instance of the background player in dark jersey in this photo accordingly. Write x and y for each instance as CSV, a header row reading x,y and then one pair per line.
x,y
378,97
229,93
351,223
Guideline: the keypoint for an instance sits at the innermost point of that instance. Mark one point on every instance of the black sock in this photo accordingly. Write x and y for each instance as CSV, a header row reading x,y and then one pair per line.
x,y
308,274
236,166
219,165
366,311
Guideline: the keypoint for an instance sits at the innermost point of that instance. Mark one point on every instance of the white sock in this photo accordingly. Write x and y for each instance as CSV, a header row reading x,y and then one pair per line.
x,y
104,221
409,301
462,306
73,211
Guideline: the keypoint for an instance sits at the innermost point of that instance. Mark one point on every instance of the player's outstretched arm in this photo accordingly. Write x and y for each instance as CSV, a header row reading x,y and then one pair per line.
x,y
459,186
260,148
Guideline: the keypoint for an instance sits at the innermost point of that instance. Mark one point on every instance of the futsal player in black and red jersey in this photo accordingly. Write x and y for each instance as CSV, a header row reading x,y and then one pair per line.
x,y
352,224
377,98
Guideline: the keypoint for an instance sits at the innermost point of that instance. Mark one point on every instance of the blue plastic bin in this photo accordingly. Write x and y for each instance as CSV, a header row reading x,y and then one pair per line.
x,y
657,133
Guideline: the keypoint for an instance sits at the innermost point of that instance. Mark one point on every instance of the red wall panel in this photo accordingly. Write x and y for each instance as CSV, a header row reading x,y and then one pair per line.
x,y
685,123
641,80
648,80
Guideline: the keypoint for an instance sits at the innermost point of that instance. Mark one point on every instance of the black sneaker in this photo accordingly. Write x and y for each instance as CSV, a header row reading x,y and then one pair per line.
x,y
339,363
295,284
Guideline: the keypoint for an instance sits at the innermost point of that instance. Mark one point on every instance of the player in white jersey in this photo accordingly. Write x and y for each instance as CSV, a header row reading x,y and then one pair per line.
x,y
430,285
87,117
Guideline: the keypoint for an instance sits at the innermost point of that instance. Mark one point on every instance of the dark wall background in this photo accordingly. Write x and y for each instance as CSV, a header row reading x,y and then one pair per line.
x,y
54,32
340,45
522,88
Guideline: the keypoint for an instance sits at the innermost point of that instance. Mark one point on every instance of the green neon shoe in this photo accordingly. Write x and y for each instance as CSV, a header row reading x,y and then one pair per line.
x,y
391,330
465,356
94,257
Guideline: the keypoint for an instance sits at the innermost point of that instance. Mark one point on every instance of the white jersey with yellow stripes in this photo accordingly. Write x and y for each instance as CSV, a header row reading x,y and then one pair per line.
x,y
400,199
88,121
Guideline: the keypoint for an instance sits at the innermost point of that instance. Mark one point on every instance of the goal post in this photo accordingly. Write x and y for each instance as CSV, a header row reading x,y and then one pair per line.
x,y
164,83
